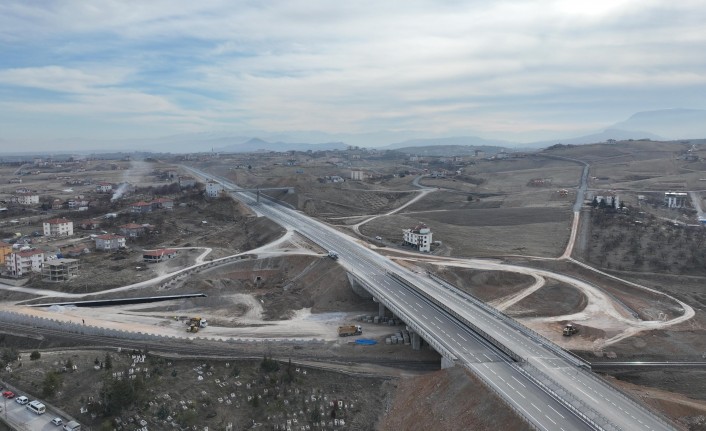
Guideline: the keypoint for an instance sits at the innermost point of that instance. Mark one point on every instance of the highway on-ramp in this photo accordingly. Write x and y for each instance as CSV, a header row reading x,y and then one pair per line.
x,y
547,386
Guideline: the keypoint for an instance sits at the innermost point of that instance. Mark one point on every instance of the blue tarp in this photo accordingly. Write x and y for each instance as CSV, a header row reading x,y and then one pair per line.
x,y
365,341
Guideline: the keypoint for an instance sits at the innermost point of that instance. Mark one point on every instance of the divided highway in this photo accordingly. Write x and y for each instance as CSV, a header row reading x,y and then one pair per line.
x,y
546,386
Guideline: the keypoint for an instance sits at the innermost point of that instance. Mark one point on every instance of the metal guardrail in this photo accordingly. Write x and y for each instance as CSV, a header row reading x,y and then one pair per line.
x,y
389,303
502,396
576,360
553,347
557,392
497,344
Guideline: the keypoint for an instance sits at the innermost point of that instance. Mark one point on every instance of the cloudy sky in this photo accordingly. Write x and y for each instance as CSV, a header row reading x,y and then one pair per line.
x,y
511,69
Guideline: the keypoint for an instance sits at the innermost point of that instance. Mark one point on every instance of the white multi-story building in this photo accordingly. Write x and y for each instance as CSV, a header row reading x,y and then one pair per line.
x,y
23,262
109,242
27,199
419,237
104,187
675,199
213,189
357,175
58,227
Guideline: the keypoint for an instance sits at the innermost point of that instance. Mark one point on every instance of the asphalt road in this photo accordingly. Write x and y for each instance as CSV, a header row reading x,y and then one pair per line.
x,y
549,390
21,418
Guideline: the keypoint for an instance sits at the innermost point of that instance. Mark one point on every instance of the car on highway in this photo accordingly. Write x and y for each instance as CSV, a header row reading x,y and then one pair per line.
x,y
8,394
57,421
22,400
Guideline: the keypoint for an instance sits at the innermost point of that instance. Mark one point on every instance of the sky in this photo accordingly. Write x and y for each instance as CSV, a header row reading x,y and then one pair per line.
x,y
506,69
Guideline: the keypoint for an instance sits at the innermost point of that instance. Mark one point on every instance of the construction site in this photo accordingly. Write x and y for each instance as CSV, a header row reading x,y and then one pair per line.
x,y
281,323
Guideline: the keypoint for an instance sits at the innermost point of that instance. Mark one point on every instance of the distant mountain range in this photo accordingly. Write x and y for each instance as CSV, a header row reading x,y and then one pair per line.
x,y
670,123
666,124
257,144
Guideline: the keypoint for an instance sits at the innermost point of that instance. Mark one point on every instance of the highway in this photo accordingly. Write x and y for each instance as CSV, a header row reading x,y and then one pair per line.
x,y
548,387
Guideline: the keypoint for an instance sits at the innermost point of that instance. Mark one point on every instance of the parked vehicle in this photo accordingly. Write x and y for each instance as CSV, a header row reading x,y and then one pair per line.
x,y
57,421
196,323
347,330
36,407
8,394
22,400
72,426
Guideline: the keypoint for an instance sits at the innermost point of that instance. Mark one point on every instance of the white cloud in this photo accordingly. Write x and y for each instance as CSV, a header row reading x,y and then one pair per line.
x,y
351,66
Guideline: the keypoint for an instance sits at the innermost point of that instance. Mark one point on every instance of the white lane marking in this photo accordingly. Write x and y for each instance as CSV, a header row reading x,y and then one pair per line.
x,y
562,416
438,319
462,337
535,407
594,400
518,381
550,419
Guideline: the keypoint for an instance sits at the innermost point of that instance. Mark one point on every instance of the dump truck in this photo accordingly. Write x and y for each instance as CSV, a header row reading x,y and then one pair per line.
x,y
196,323
347,330
569,330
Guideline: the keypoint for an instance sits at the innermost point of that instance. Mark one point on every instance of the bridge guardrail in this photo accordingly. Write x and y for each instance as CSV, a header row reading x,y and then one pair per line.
x,y
409,321
549,386
502,396
552,346
500,346
576,360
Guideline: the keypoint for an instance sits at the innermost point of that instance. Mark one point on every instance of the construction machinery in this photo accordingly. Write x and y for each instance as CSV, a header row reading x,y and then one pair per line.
x,y
570,330
196,323
347,330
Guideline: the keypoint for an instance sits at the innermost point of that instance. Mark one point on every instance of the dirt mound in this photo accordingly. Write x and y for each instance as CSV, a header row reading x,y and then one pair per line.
x,y
285,284
450,399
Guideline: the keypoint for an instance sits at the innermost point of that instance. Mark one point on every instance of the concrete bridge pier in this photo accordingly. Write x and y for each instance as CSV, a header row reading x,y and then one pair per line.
x,y
381,309
416,341
446,363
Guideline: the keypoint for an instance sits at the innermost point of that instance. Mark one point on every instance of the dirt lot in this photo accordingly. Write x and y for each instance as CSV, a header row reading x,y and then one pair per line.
x,y
485,285
479,233
447,400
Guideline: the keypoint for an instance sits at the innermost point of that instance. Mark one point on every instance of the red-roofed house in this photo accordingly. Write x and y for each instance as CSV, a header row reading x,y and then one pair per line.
x,y
104,187
58,227
141,207
109,242
159,255
24,262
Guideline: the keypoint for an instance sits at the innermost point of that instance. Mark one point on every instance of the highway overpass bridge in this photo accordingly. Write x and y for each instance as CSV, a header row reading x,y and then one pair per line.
x,y
550,388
